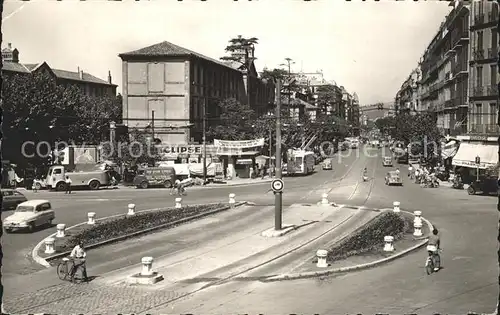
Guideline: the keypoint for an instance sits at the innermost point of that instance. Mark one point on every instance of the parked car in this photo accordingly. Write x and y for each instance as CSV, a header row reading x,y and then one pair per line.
x,y
155,176
393,178
387,161
11,198
30,215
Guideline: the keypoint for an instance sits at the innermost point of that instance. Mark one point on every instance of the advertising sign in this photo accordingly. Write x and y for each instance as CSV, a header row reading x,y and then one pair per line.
x,y
240,144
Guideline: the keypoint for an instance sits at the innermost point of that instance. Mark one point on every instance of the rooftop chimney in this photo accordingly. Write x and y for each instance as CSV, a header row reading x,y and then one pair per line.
x,y
15,55
81,74
109,77
10,46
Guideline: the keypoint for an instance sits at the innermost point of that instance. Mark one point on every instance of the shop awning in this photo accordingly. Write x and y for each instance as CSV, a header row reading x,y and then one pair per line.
x,y
450,149
244,153
467,153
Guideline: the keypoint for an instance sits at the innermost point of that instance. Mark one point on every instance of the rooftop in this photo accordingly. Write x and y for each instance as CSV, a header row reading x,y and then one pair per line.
x,y
168,49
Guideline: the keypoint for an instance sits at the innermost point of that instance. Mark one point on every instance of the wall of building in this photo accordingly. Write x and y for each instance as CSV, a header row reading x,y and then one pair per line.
x,y
162,87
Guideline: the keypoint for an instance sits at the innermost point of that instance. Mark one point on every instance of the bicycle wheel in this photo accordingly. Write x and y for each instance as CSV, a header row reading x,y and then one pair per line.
x,y
62,270
429,266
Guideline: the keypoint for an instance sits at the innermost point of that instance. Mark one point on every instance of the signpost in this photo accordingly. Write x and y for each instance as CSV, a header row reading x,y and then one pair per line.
x,y
277,185
278,195
478,162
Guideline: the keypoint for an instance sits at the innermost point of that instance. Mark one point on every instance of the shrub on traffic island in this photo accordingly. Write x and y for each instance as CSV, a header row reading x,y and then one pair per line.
x,y
126,225
370,236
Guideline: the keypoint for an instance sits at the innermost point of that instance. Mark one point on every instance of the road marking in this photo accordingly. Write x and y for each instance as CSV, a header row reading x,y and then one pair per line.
x,y
87,199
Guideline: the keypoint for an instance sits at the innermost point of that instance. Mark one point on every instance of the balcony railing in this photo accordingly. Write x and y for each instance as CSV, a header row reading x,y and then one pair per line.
x,y
477,54
492,90
479,19
484,129
460,101
459,68
449,103
479,91
492,53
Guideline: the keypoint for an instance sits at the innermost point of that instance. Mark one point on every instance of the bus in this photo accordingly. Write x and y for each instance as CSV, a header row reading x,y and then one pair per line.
x,y
301,163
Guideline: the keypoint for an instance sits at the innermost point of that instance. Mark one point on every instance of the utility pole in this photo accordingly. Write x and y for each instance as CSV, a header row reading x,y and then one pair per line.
x,y
204,142
153,125
278,196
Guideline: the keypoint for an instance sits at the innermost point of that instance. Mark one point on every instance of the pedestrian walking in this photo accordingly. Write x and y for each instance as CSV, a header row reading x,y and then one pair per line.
x,y
68,184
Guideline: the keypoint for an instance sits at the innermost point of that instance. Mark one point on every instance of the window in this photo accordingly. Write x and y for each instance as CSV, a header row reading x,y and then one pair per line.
x,y
56,171
493,74
479,77
493,114
44,207
479,114
480,40
7,193
494,39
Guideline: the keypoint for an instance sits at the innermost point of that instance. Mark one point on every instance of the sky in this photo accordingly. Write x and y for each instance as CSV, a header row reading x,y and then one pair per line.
x,y
368,47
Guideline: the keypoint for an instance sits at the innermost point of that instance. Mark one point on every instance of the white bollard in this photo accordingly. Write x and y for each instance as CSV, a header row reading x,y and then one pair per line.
x,y
49,246
322,254
131,209
324,200
396,206
418,229
418,217
388,247
178,203
232,199
147,266
91,218
61,227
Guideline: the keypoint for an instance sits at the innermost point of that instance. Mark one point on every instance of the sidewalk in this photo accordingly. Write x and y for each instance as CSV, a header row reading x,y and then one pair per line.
x,y
234,182
196,255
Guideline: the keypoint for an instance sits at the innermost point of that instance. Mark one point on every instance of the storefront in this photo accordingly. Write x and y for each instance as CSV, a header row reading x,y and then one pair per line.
x,y
238,157
448,151
471,148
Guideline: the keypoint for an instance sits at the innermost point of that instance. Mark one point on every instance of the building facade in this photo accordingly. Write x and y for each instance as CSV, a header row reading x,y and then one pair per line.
x,y
182,87
483,105
408,98
90,85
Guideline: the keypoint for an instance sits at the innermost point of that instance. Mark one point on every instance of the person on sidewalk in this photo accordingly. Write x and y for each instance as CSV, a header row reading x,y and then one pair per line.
x,y
78,254
68,184
433,247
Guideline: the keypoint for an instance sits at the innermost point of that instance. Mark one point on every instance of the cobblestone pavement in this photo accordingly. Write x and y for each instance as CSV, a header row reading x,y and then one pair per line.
x,y
90,298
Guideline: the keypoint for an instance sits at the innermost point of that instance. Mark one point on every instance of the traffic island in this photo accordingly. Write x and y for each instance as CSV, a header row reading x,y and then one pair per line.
x,y
384,238
97,232
147,276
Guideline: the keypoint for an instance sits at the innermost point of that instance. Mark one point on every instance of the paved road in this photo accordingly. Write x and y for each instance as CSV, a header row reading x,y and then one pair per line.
x,y
468,225
73,209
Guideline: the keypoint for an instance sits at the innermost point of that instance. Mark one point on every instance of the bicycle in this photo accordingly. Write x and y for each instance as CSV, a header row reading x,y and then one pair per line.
x,y
429,262
64,270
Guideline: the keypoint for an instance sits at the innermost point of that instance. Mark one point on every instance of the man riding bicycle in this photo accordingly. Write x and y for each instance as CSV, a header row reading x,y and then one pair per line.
x,y
78,254
433,247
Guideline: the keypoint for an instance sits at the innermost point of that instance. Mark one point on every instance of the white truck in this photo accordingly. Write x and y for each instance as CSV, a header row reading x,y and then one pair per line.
x,y
56,176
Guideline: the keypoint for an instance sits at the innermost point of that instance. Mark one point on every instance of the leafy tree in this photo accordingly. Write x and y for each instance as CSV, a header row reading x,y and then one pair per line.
x,y
274,75
235,122
242,45
138,150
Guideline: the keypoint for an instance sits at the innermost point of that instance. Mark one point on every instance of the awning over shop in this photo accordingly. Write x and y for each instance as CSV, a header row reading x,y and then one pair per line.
x,y
449,149
239,153
467,153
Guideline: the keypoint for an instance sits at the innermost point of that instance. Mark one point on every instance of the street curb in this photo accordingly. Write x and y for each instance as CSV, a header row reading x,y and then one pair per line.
x,y
211,186
313,274
44,261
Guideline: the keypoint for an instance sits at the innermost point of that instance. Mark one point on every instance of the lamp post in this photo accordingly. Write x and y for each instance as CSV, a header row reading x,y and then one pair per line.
x,y
204,142
278,196
269,114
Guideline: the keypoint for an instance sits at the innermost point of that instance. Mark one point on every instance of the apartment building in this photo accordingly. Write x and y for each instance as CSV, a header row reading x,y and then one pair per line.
x,y
408,98
483,105
182,87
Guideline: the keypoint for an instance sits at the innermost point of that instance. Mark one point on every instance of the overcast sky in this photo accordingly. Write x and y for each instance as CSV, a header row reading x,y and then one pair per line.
x,y
368,47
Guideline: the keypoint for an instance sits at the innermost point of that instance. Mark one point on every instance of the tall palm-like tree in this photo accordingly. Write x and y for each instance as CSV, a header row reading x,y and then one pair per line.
x,y
242,50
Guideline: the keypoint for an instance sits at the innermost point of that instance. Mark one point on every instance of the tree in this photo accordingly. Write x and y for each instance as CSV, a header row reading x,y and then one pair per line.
x,y
274,75
240,49
138,150
235,122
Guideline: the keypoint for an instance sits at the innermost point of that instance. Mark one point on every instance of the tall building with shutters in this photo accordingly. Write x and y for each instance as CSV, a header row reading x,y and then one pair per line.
x,y
182,87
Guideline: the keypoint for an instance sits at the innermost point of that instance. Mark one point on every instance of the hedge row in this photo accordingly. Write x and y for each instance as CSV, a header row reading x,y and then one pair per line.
x,y
126,225
371,236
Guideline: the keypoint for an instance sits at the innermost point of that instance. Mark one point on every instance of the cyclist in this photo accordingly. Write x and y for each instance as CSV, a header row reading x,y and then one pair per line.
x,y
365,174
433,247
175,187
78,254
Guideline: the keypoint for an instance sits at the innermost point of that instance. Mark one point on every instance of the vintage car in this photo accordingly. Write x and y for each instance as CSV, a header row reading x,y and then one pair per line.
x,y
387,161
11,198
30,215
327,164
393,178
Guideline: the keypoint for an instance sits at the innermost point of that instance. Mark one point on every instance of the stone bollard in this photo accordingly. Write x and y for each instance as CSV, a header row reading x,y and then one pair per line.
x,y
232,199
418,229
49,246
91,218
61,227
388,247
418,217
396,206
131,209
147,266
324,200
322,254
178,203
